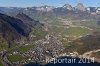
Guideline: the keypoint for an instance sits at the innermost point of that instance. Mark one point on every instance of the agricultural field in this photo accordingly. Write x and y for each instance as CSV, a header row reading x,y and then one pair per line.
x,y
15,58
1,64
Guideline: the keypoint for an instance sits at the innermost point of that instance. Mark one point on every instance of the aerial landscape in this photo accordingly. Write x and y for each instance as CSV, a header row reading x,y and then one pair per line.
x,y
39,32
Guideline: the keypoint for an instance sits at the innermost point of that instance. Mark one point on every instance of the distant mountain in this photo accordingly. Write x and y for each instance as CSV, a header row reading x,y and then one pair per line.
x,y
67,6
40,12
41,9
45,8
80,7
10,10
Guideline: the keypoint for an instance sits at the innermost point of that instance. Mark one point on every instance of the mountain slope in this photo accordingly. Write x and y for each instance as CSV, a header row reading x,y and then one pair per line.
x,y
85,44
12,28
27,20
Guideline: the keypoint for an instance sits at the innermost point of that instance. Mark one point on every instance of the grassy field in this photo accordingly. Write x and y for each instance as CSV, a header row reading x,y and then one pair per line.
x,y
3,44
91,24
76,31
55,29
38,32
15,58
1,63
24,49
72,31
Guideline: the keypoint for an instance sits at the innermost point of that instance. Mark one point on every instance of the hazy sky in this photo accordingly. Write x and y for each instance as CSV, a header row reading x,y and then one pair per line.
x,y
29,3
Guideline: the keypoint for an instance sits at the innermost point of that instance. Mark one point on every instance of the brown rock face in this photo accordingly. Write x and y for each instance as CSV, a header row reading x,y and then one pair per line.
x,y
80,7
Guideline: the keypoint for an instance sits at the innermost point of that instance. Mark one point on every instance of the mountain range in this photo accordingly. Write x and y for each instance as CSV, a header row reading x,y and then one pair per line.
x,y
64,9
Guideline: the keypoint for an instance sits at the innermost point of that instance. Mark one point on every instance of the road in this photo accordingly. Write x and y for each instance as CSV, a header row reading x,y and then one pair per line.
x,y
88,54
